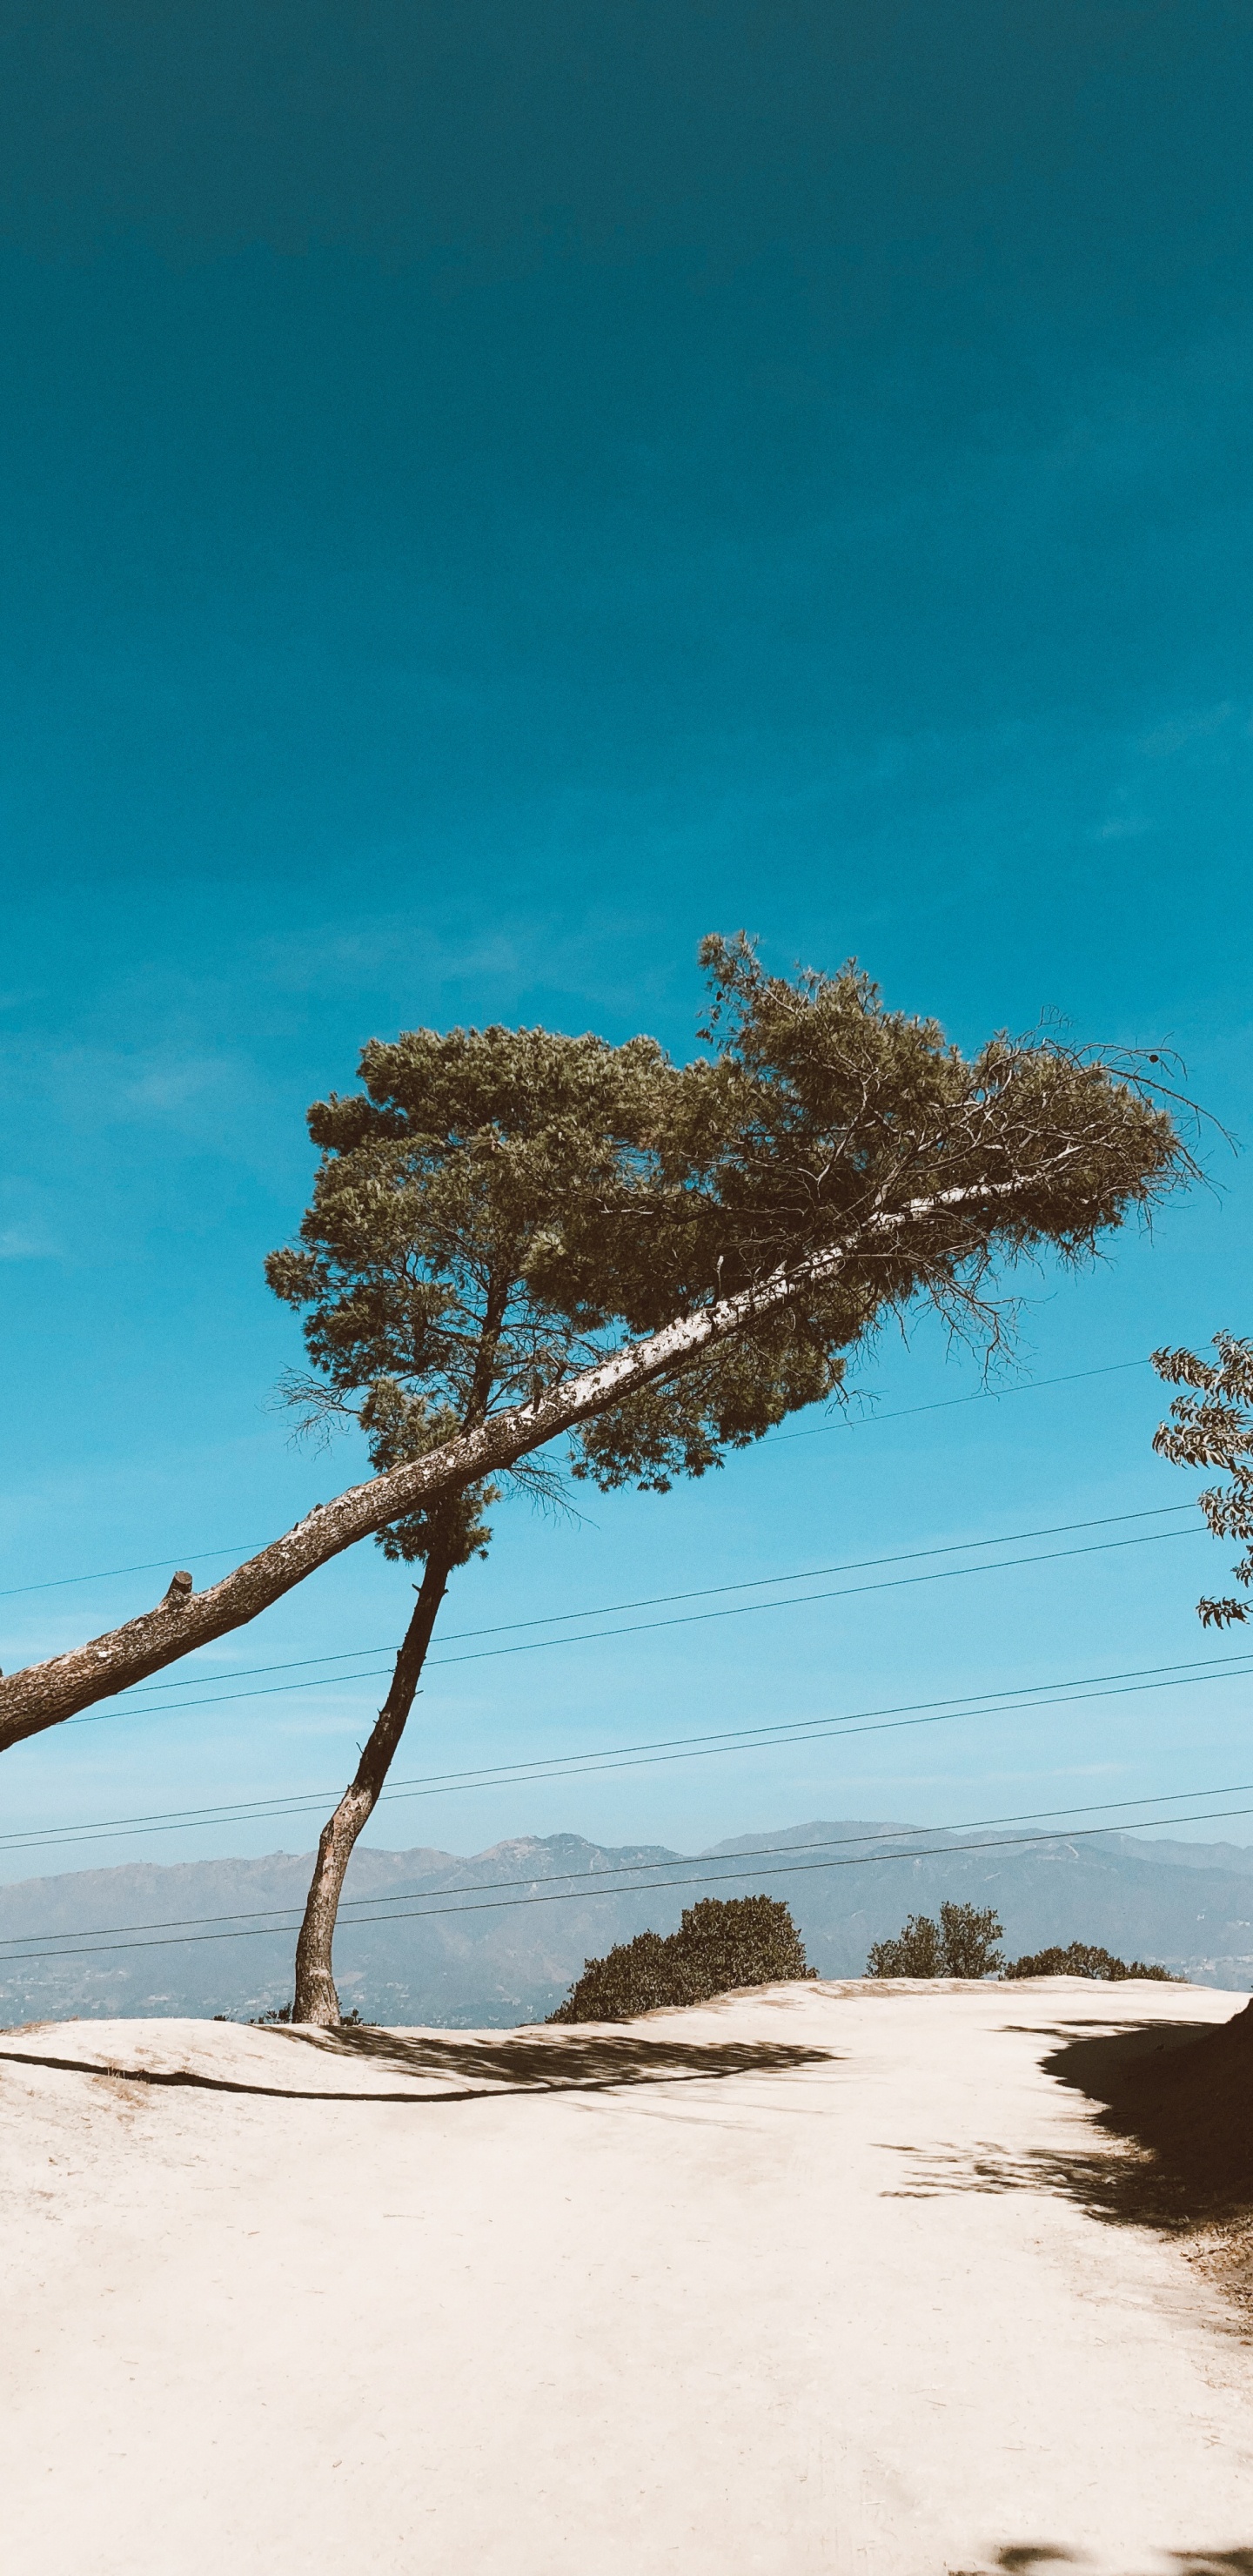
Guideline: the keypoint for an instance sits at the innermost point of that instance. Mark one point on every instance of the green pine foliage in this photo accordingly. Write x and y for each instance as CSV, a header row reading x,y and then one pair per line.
x,y
496,1207
961,1944
720,1945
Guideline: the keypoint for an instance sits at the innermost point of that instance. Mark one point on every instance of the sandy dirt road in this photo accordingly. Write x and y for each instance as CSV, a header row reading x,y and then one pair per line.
x,y
797,2283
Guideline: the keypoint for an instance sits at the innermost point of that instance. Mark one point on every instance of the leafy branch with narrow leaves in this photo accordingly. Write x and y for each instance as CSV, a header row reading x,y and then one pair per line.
x,y
1212,1426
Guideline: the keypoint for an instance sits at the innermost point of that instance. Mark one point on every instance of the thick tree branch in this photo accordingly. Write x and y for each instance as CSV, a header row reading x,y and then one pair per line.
x,y
43,1695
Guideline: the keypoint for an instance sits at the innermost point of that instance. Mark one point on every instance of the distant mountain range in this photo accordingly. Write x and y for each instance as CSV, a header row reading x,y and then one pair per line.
x,y
484,1953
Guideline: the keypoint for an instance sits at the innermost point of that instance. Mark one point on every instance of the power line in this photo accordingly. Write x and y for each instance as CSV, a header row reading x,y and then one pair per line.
x,y
689,1619
861,1422
982,1395
153,1565
1016,1700
354,1906
728,1877
704,1592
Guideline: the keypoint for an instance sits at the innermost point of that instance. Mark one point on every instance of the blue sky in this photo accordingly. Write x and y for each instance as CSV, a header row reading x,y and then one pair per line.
x,y
488,495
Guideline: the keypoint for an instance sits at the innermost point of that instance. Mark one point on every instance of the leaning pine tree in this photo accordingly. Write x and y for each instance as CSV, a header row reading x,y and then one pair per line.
x,y
516,1237
494,1202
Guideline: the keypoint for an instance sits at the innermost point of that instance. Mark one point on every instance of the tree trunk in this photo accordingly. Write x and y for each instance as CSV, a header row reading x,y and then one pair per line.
x,y
316,1999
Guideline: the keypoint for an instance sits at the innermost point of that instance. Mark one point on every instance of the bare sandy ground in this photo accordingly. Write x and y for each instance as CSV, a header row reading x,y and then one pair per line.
x,y
802,2282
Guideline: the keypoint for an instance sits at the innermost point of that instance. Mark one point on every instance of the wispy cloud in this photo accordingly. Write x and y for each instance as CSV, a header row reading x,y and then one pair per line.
x,y
494,966
1123,827
27,1243
94,1087
1179,731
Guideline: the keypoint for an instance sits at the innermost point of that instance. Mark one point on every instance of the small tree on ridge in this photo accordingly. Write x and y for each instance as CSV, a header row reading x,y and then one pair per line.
x,y
962,1944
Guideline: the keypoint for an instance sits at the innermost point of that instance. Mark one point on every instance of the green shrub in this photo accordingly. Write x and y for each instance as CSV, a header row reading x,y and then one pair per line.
x,y
1085,1959
720,1945
961,1944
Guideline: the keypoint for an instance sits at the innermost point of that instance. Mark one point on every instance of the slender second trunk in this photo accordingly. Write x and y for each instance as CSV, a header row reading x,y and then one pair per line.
x,y
316,1999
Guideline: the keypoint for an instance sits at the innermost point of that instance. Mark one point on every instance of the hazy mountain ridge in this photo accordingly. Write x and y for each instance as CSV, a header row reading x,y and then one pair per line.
x,y
1225,1856
461,1968
495,1959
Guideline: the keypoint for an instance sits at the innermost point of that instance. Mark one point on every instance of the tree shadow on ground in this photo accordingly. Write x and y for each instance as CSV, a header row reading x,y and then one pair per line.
x,y
1021,2557
1098,2182
549,2062
1176,2105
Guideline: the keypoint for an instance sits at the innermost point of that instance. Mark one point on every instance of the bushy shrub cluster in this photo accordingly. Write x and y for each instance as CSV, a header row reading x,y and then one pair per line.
x,y
961,1944
1085,1959
720,1944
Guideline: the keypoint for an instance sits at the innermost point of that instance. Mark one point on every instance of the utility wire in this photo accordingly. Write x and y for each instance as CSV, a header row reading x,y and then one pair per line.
x,y
983,1395
145,1691
723,1878
152,1565
1016,1700
354,1906
688,1619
